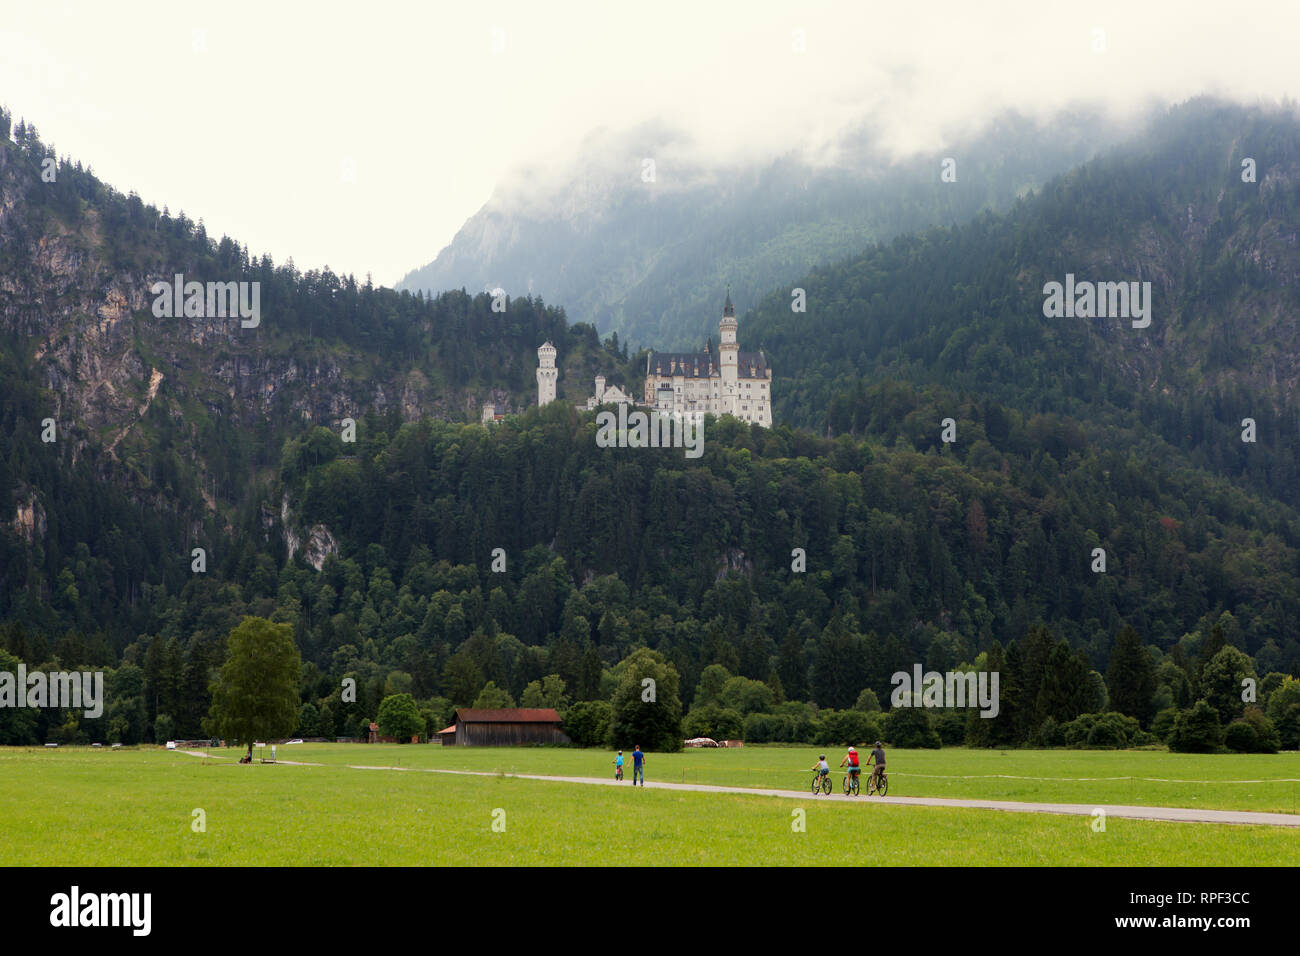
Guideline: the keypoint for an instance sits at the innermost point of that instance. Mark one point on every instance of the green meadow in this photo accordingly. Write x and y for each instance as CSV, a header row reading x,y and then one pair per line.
x,y
1135,777
81,806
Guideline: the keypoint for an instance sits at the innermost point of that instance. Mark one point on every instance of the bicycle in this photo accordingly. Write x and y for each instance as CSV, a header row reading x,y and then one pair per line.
x,y
878,785
821,782
851,784
618,772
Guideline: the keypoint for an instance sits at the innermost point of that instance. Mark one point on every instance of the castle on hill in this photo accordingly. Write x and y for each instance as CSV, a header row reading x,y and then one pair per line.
x,y
686,385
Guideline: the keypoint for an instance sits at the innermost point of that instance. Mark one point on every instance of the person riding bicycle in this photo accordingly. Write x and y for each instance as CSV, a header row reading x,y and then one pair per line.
x,y
878,756
822,767
618,763
851,758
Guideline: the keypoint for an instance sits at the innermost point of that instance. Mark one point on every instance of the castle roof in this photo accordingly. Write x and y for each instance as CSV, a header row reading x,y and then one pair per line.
x,y
690,364
696,364
755,360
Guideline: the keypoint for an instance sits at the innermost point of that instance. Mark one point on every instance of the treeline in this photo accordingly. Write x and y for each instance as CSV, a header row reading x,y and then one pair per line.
x,y
816,568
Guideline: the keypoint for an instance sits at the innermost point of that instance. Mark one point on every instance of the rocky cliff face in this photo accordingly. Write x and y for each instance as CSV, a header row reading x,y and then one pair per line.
x,y
120,382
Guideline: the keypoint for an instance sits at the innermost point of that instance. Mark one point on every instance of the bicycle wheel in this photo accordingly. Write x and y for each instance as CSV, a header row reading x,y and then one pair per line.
x,y
884,784
817,783
854,785
826,784
847,789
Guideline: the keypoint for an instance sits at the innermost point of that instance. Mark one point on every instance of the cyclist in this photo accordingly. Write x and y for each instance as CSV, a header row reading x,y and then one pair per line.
x,y
851,758
878,756
822,767
618,765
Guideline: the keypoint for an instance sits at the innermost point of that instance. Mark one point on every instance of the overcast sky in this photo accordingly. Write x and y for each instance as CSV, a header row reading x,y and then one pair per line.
x,y
361,136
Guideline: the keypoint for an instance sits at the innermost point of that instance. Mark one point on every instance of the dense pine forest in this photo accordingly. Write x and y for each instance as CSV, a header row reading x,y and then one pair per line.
x,y
963,307
947,556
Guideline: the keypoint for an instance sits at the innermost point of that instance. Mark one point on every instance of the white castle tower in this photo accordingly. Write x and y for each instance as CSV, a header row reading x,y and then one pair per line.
x,y
729,349
547,373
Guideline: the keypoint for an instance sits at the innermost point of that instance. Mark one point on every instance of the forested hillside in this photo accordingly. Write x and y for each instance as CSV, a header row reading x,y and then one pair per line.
x,y
963,307
784,576
934,556
165,429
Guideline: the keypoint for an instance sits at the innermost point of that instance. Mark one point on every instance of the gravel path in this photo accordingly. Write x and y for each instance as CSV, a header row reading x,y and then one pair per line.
x,y
1164,814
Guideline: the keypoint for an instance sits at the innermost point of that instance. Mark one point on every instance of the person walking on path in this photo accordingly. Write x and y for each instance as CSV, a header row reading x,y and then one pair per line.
x,y
638,765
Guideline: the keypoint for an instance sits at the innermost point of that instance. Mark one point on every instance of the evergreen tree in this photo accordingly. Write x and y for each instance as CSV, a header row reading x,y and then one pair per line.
x,y
1130,678
1063,694
792,667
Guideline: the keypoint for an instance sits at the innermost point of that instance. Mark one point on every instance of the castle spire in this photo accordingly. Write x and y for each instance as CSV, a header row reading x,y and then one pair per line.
x,y
728,309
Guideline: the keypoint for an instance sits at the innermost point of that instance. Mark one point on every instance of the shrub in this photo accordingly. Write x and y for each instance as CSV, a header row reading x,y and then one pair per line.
x,y
780,728
845,728
1241,737
1163,723
1105,735
1047,734
802,721
1196,730
767,729
950,724
910,727
587,723
1265,739
1284,712
1107,731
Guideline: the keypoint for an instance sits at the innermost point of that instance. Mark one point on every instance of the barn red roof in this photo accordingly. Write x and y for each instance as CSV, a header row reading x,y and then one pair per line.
x,y
509,715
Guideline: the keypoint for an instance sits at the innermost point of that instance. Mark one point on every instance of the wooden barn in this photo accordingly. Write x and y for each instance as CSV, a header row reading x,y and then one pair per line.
x,y
508,727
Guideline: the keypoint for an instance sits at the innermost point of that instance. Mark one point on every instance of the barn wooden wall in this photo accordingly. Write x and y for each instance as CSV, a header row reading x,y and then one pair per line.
x,y
508,734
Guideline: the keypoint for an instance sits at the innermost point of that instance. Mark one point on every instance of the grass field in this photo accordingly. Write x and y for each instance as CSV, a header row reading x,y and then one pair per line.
x,y
1143,778
76,806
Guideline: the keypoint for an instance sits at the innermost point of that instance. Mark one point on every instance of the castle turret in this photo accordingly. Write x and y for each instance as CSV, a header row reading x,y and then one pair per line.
x,y
600,388
547,374
728,349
